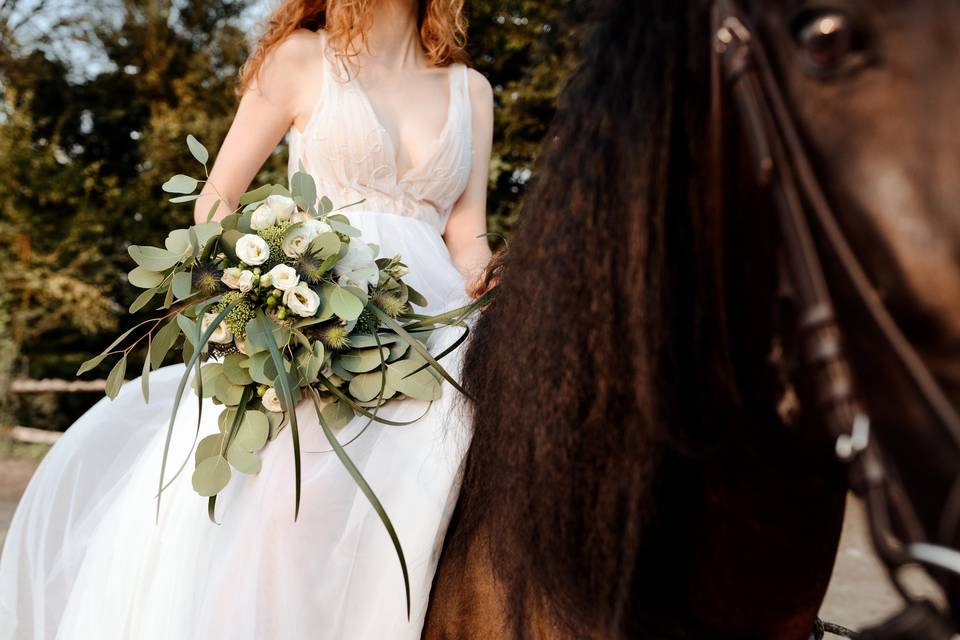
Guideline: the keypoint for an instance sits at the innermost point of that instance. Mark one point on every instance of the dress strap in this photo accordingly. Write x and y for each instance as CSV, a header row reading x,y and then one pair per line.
x,y
464,94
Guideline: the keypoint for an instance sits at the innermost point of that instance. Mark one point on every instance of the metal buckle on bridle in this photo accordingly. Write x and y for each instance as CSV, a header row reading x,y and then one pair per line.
x,y
740,65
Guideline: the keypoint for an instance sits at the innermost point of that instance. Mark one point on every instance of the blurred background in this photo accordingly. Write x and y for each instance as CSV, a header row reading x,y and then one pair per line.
x,y
97,99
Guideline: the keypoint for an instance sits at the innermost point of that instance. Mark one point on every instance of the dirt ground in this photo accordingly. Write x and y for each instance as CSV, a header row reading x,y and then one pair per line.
x,y
858,596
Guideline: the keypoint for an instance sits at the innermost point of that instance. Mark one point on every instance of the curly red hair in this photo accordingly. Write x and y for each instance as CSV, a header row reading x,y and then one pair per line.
x,y
443,29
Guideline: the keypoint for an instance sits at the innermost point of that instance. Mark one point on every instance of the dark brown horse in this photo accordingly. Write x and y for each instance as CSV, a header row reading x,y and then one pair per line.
x,y
649,459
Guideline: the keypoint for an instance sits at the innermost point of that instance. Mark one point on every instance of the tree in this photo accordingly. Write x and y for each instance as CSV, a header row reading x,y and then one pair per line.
x,y
527,49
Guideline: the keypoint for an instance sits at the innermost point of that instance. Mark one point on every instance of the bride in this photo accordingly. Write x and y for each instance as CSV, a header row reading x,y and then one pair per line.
x,y
378,104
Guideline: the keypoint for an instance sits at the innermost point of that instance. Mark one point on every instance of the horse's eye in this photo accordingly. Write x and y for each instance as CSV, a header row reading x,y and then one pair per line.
x,y
825,37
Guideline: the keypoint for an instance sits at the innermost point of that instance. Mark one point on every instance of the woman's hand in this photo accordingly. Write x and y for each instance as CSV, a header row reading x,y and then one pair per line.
x,y
488,278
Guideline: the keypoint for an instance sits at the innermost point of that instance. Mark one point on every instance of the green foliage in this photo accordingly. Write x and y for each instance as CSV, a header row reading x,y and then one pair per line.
x,y
527,49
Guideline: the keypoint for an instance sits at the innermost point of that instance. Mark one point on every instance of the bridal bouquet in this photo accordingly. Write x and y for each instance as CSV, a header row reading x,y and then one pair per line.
x,y
279,301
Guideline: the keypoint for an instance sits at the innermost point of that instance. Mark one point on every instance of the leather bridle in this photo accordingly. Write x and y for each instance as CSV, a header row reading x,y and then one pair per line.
x,y
742,69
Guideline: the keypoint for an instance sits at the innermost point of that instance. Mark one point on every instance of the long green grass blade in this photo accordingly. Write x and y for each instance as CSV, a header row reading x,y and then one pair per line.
x,y
283,381
367,491
180,389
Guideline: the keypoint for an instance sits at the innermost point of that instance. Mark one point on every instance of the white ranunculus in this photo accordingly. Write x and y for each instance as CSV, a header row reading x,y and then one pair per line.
x,y
283,206
222,334
241,280
302,300
271,402
295,242
263,217
358,267
252,249
283,277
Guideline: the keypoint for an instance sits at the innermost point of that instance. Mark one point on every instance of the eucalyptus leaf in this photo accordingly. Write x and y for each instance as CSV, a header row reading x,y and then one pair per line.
x,y
206,232
182,285
144,279
343,228
162,342
189,328
211,476
254,430
325,245
115,378
243,460
304,190
344,304
153,258
419,385
208,377
366,386
178,242
366,340
198,150
210,447
235,372
180,184
326,205
363,360
93,362
340,371
338,413
415,297
256,195
143,300
182,199
226,392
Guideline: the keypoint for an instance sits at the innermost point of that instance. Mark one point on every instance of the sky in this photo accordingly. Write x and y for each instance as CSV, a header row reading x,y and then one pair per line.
x,y
86,60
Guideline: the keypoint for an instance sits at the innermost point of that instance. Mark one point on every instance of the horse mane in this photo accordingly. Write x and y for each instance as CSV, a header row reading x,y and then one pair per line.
x,y
579,369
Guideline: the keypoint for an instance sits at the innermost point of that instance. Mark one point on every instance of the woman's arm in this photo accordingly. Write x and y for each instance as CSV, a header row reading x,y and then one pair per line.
x,y
464,234
266,111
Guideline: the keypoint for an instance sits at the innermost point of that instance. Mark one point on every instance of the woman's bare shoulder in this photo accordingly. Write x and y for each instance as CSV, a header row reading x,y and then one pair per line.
x,y
297,52
481,93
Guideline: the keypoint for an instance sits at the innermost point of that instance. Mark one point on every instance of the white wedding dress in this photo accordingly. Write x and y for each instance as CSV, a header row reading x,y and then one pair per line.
x,y
86,559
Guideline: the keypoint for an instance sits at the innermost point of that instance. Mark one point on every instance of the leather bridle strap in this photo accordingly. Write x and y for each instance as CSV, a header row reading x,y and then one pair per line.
x,y
741,64
740,53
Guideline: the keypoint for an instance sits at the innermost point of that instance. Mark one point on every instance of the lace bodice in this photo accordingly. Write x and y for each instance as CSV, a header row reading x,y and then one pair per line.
x,y
351,155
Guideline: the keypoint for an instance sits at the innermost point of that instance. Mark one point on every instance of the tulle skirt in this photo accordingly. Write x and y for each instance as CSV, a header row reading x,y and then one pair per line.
x,y
86,557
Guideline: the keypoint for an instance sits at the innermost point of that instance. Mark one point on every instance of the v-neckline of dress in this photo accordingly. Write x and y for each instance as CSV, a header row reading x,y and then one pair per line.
x,y
438,145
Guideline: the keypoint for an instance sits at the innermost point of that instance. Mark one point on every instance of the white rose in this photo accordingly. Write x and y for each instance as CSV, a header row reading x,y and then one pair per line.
x,y
282,206
252,249
315,227
284,277
263,217
222,334
358,266
302,300
241,345
271,402
295,242
241,280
